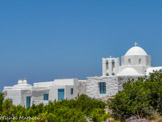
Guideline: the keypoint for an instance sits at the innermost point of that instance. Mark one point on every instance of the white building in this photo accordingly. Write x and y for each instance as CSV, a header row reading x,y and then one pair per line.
x,y
135,63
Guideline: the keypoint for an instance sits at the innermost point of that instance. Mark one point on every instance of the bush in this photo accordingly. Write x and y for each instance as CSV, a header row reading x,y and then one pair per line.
x,y
65,110
136,96
1,101
99,115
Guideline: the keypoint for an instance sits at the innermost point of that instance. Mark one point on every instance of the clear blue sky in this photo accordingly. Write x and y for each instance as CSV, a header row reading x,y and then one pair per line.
x,y
42,40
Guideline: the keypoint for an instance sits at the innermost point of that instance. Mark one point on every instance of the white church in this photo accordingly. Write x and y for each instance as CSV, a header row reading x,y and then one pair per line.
x,y
135,63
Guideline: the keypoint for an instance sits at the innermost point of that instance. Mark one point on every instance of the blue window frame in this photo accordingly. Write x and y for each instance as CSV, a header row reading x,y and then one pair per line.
x,y
71,90
27,101
45,96
60,94
102,87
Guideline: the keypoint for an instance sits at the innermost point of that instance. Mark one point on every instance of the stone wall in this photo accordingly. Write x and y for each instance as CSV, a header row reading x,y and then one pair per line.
x,y
92,86
82,87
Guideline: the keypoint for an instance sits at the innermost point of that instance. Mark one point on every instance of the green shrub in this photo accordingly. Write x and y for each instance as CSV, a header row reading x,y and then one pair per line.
x,y
99,115
1,101
65,110
136,96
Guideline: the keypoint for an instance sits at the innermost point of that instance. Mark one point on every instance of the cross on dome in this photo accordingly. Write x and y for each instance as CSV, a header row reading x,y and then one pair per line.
x,y
135,44
136,50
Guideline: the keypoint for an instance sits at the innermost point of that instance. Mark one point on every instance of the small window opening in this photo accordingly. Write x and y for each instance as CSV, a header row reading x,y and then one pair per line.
x,y
113,64
102,87
71,91
129,61
139,61
107,65
45,96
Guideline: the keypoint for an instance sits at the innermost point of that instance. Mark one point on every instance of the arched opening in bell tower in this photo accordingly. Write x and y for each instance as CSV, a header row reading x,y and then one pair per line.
x,y
107,65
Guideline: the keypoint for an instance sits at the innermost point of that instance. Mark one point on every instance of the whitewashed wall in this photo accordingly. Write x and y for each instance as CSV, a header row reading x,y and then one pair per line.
x,y
53,92
24,94
68,92
15,95
38,96
82,87
92,86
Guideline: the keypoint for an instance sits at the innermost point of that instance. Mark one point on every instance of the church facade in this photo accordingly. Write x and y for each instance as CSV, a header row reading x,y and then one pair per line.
x,y
135,63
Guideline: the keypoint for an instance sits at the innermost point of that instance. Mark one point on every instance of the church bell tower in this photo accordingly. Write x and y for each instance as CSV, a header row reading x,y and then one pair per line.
x,y
110,66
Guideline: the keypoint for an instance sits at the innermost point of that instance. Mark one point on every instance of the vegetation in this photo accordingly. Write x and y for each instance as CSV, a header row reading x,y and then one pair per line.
x,y
67,110
142,98
1,101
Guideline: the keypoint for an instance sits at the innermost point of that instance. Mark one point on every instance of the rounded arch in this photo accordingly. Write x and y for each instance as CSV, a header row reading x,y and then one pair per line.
x,y
107,65
113,64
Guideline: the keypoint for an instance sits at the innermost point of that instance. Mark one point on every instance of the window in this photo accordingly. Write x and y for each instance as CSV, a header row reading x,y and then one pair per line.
x,y
129,61
102,87
45,96
60,94
139,61
27,101
71,90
